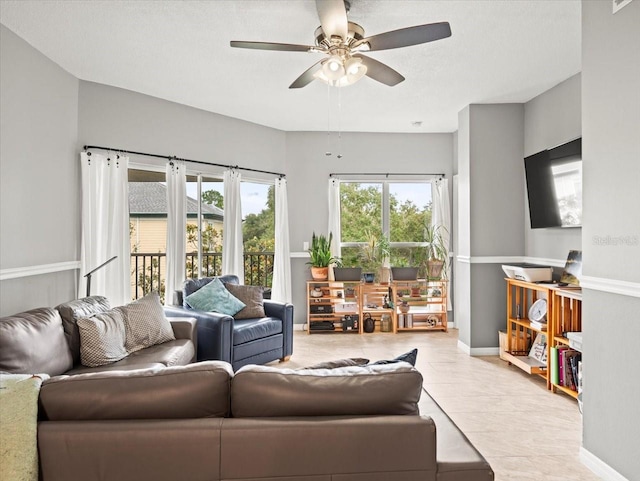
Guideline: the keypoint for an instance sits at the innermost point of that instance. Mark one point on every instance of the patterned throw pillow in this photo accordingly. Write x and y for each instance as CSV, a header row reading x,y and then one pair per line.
x,y
251,296
102,338
145,323
215,297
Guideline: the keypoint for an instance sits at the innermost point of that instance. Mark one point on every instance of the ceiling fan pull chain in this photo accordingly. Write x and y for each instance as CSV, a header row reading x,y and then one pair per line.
x,y
339,122
328,152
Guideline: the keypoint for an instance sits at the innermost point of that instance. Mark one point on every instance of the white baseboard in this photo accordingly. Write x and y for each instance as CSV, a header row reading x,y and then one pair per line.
x,y
478,351
599,467
300,327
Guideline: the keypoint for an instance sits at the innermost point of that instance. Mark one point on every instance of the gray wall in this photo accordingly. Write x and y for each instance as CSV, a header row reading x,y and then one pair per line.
x,y
114,117
39,175
490,189
611,233
308,170
551,119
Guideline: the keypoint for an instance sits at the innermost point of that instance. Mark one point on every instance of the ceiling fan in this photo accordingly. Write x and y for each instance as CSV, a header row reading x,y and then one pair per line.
x,y
343,41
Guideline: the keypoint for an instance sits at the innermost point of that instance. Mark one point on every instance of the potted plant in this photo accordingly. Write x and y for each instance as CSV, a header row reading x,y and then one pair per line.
x,y
437,251
374,258
321,257
402,272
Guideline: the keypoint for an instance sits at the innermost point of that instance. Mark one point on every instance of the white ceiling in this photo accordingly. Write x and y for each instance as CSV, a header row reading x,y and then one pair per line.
x,y
499,51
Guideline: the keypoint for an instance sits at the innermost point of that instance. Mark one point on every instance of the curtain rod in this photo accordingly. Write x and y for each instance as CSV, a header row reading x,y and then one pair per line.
x,y
385,174
173,157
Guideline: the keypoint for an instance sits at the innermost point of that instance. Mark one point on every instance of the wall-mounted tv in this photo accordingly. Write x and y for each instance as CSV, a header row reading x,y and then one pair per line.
x,y
554,186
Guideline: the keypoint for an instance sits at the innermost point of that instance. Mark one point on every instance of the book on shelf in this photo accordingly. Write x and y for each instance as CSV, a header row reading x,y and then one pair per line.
x,y
553,365
538,349
541,325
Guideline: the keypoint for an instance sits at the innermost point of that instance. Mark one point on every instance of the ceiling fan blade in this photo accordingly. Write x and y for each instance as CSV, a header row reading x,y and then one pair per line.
x,y
284,47
406,37
333,17
307,76
380,72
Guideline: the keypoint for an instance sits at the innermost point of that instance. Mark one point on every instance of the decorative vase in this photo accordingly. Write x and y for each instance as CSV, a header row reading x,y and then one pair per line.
x,y
385,275
368,324
404,307
434,269
320,273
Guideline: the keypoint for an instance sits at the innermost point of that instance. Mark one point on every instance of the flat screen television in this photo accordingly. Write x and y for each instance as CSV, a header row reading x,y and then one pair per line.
x,y
554,186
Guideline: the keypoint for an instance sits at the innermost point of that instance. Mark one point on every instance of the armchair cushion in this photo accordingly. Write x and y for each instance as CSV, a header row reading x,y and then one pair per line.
x,y
215,297
102,338
252,298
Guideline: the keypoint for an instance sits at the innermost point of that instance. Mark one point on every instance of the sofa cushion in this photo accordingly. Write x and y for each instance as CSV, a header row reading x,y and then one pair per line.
x,y
34,342
216,298
251,297
102,338
356,390
179,352
145,323
72,311
192,285
247,330
195,391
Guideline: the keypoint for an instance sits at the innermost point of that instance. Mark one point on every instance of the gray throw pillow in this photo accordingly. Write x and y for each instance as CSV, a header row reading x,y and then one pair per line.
x,y
353,361
409,357
102,338
252,298
145,323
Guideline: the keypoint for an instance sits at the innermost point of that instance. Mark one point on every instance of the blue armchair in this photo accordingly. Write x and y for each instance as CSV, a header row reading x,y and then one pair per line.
x,y
239,342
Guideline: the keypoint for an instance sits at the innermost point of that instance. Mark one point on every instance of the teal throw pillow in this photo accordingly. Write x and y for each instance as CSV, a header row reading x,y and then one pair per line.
x,y
215,297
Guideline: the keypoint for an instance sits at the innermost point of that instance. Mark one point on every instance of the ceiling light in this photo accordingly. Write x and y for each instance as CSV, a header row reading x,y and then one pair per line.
x,y
339,73
333,68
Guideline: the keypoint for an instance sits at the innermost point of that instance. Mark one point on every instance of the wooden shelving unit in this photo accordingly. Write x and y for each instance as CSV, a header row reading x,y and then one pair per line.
x,y
337,299
520,333
427,301
372,299
564,314
567,317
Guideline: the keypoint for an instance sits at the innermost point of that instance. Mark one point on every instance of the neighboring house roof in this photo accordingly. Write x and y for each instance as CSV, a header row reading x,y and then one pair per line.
x,y
150,199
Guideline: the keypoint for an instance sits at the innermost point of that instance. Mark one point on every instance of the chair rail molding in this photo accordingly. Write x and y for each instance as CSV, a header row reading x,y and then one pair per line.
x,y
17,272
510,259
613,286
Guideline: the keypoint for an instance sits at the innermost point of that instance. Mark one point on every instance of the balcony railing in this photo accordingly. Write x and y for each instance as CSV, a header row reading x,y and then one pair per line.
x,y
148,271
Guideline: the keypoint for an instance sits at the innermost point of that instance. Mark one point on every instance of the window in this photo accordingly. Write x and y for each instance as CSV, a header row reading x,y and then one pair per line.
x,y
397,211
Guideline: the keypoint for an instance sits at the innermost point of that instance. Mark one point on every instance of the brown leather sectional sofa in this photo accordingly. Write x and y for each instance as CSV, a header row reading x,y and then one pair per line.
x,y
202,421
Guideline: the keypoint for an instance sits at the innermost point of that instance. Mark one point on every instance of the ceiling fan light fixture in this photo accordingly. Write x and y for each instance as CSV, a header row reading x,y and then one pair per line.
x,y
333,68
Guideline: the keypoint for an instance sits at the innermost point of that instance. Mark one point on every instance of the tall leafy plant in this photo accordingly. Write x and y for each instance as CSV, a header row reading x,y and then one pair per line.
x,y
320,251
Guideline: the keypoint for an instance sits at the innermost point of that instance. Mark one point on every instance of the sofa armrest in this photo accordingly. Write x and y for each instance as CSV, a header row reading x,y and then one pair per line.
x,y
214,332
284,312
184,328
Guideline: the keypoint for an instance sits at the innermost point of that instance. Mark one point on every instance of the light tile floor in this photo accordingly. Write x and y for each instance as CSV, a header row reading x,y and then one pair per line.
x,y
525,432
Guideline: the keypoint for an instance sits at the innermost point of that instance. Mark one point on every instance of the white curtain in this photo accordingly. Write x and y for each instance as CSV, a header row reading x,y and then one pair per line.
x,y
281,289
176,228
334,219
441,216
105,226
232,247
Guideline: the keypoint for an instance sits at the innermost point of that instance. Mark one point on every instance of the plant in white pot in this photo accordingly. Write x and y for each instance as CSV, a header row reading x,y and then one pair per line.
x,y
437,251
321,257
